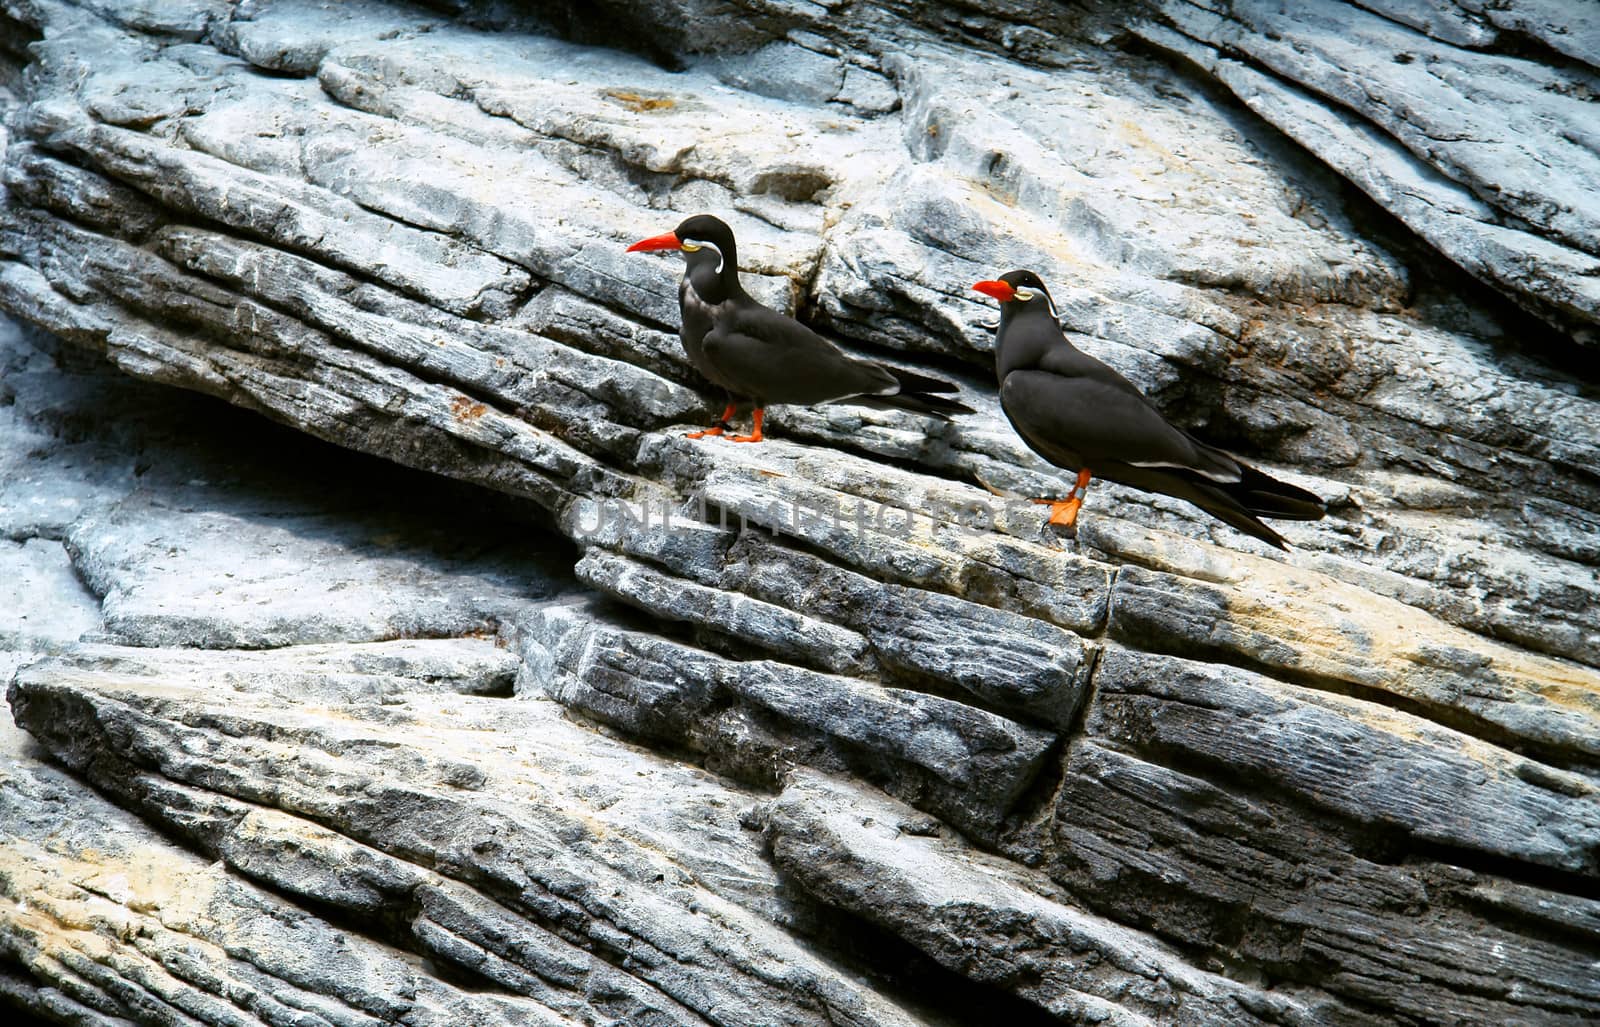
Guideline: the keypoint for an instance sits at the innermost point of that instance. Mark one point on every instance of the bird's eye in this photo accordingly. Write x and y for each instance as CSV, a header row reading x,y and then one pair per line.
x,y
689,245
1024,294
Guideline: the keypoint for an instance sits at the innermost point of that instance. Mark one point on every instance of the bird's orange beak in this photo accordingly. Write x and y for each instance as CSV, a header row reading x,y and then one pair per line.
x,y
1001,291
669,241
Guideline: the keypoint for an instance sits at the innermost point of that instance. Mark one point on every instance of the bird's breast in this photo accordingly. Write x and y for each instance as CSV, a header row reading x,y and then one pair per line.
x,y
699,317
697,307
699,320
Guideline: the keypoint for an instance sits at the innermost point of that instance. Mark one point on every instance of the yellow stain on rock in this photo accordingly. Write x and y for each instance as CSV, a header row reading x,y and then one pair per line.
x,y
639,102
60,907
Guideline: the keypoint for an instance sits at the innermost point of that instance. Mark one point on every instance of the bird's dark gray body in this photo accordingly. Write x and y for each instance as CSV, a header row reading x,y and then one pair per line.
x,y
1081,415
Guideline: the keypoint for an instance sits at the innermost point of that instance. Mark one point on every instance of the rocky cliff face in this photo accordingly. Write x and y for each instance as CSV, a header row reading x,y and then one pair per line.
x,y
446,683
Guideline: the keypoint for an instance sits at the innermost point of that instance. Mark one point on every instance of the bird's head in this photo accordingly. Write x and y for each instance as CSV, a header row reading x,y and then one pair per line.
x,y
700,238
1018,291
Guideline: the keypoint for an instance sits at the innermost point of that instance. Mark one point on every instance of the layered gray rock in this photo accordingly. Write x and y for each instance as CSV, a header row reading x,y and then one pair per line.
x,y
994,921
542,868
211,944
1396,100
1315,864
570,719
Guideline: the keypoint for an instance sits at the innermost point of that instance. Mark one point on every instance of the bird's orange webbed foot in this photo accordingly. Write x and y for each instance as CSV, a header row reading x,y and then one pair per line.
x,y
755,434
1063,512
716,429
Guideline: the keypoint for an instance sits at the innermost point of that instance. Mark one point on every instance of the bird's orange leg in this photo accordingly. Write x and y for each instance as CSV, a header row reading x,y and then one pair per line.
x,y
1064,512
715,429
755,434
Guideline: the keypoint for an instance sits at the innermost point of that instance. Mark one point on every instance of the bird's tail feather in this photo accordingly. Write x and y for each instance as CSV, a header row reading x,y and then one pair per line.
x,y
910,381
1265,496
922,394
917,402
1217,502
1255,495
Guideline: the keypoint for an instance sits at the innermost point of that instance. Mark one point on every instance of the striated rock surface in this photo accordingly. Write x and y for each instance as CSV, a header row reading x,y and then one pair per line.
x,y
460,688
1486,152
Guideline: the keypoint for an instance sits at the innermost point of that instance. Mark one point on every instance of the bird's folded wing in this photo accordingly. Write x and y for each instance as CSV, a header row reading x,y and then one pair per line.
x,y
786,358
1104,421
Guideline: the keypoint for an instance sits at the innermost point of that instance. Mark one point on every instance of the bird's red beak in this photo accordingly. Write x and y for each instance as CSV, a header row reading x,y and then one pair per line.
x,y
657,242
1001,291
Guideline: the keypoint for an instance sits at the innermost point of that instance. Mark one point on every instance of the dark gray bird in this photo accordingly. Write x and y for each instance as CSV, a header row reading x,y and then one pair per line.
x,y
758,356
1081,415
